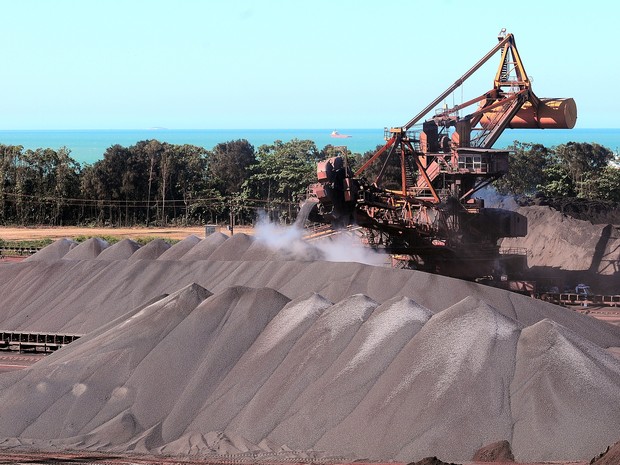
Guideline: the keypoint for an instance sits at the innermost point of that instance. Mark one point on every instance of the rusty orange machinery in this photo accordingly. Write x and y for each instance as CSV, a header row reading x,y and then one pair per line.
x,y
445,156
448,142
550,113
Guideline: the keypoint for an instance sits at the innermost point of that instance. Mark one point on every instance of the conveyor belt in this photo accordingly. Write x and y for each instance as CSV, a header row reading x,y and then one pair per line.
x,y
34,341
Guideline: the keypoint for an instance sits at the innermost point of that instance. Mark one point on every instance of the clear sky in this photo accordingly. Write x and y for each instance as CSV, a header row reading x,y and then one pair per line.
x,y
211,64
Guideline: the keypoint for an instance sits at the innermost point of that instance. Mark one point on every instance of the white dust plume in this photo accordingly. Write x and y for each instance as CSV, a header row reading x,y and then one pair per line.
x,y
289,240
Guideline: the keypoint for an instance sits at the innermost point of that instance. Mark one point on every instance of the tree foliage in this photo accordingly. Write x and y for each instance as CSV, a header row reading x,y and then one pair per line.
x,y
37,185
230,164
527,169
582,158
284,171
579,170
557,182
606,186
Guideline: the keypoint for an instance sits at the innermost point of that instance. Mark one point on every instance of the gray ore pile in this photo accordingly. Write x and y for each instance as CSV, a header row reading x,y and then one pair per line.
x,y
223,345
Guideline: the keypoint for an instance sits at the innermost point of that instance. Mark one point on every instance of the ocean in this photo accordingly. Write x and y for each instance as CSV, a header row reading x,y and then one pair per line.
x,y
88,146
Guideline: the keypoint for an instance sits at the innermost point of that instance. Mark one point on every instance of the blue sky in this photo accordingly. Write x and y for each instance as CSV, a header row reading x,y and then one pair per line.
x,y
211,64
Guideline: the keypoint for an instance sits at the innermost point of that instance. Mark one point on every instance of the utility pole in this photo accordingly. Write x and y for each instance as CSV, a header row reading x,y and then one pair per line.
x,y
231,226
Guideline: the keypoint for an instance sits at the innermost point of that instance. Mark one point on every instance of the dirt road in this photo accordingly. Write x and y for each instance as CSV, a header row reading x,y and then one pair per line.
x,y
75,458
43,232
16,361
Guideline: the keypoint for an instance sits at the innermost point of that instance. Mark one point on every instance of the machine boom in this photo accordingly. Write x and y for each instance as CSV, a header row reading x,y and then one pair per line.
x,y
434,219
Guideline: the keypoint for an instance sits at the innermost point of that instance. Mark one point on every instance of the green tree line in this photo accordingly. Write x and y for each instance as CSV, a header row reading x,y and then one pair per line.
x,y
572,170
157,183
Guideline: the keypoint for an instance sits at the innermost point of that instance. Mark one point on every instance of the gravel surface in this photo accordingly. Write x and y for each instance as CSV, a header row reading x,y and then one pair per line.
x,y
218,346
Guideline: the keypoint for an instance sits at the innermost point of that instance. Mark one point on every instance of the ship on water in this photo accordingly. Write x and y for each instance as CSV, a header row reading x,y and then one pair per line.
x,y
337,135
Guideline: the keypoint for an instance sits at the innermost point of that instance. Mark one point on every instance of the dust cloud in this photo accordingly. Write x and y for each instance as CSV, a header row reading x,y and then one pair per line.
x,y
290,241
